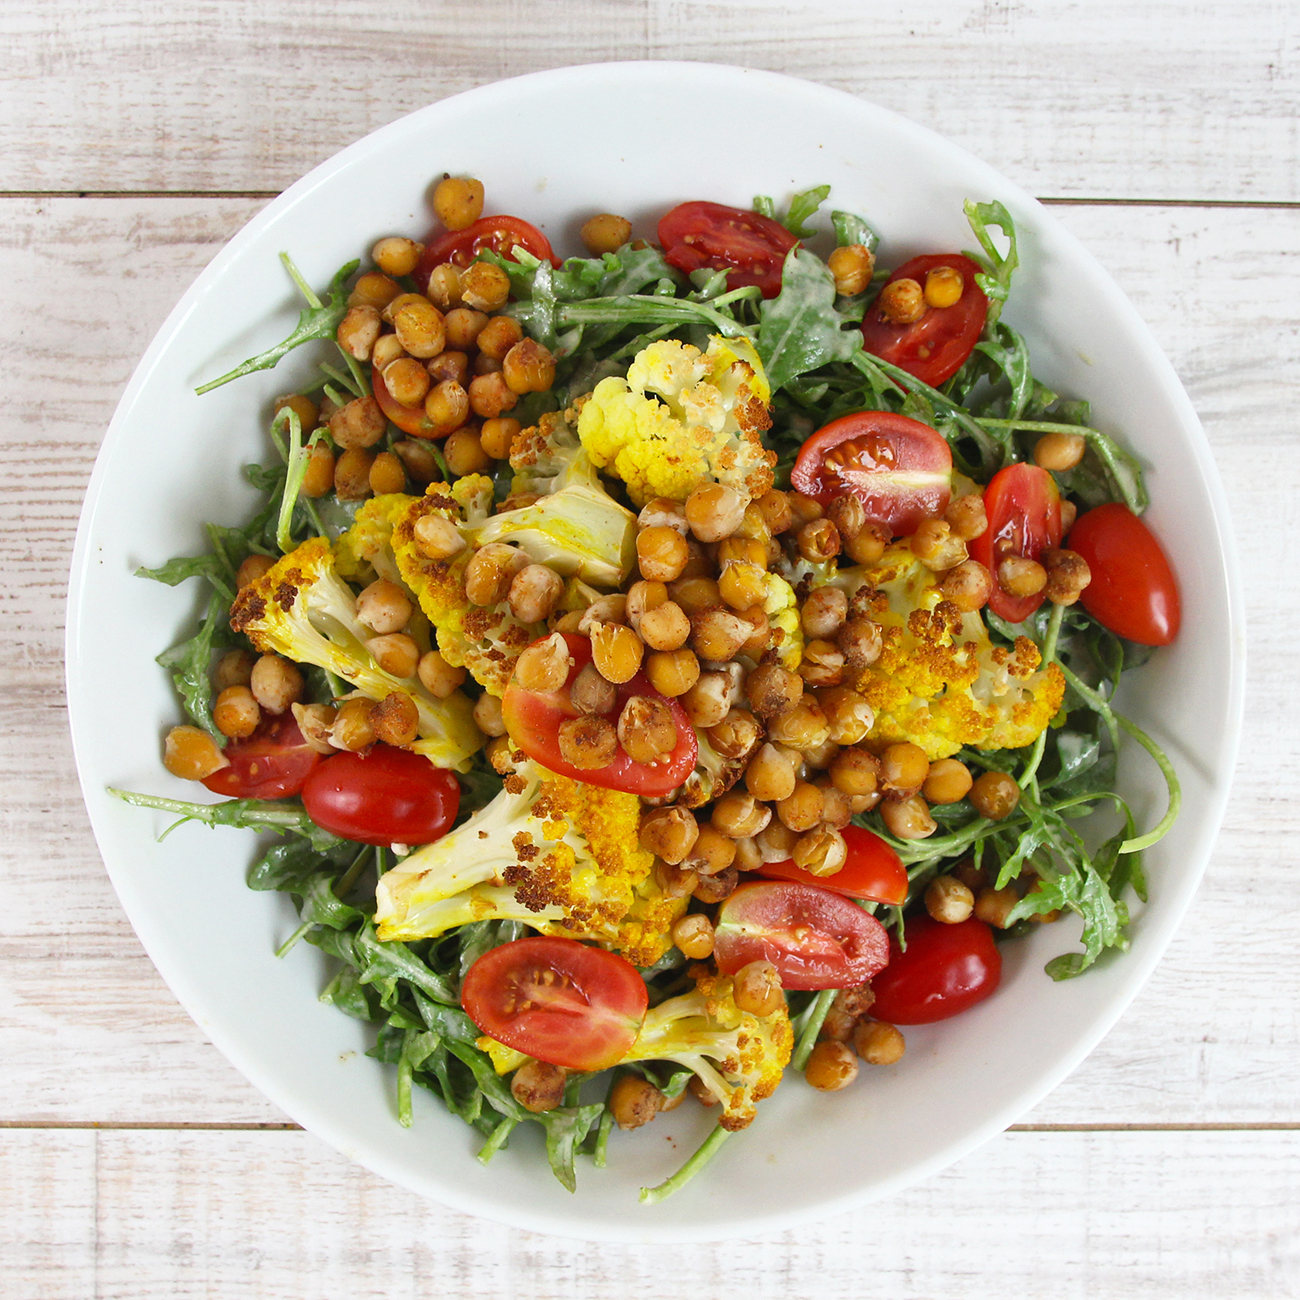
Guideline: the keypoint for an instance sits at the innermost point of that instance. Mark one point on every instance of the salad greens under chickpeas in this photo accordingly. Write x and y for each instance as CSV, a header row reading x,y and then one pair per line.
x,y
664,668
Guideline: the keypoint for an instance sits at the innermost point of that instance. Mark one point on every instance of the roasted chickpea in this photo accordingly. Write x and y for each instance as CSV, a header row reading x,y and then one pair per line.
x,y
605,232
457,202
994,795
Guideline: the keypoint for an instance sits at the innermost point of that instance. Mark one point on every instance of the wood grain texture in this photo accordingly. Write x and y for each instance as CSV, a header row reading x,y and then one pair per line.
x,y
1167,99
277,1216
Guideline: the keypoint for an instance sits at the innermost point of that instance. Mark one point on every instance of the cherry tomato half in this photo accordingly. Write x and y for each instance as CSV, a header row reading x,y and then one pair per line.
x,y
815,938
873,870
945,970
386,796
1133,591
557,1000
533,720
899,468
750,247
935,347
1024,511
272,763
497,234
410,419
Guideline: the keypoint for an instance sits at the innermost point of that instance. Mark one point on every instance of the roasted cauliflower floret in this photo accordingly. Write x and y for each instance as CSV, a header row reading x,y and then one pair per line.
x,y
560,855
682,418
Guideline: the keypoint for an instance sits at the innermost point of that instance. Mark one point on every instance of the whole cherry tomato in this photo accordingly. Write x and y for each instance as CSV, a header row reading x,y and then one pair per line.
x,y
934,347
750,247
1024,512
873,870
815,938
946,969
496,234
557,1000
899,468
533,720
385,796
1133,591
272,763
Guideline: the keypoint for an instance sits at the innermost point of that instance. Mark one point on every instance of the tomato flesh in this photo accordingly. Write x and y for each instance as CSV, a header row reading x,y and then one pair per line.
x,y
935,347
557,1000
273,763
410,419
385,796
899,468
533,720
946,969
750,247
873,871
1133,591
817,939
1024,513
495,234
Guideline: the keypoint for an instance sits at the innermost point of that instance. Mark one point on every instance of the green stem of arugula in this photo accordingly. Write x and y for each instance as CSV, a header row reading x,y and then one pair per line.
x,y
303,287
649,308
288,818
497,1140
906,383
816,1016
284,949
347,379
343,885
708,1149
1048,649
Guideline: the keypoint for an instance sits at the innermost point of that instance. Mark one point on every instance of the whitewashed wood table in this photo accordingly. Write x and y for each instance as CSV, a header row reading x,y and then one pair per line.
x,y
134,140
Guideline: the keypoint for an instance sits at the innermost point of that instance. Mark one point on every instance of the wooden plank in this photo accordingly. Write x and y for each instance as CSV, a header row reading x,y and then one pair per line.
x,y
278,1216
87,1029
1166,100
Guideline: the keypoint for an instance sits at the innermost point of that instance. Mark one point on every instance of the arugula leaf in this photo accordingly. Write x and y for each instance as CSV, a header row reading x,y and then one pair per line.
x,y
316,321
799,329
803,206
996,277
852,229
764,205
248,814
189,661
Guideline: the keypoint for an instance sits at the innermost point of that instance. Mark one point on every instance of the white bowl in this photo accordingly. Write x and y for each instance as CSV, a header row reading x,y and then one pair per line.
x,y
556,147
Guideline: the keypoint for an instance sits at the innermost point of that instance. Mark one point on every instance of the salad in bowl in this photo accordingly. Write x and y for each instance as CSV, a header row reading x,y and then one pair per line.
x,y
674,668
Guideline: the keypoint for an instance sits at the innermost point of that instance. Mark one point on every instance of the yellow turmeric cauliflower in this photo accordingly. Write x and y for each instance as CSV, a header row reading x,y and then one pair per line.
x,y
940,682
682,418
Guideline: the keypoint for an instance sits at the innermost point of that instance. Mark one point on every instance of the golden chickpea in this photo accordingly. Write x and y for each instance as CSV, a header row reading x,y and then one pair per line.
x,y
818,539
490,572
490,396
488,716
851,265
878,1043
437,676
994,795
634,1101
591,693
665,627
484,286
831,1066
384,607
739,815
617,652
908,819
694,936
605,232
535,591
672,672
646,729
464,452
528,367
444,286
867,546
497,436
770,775
993,906
713,852
420,328
234,668
821,851
388,348
901,302
736,735
407,380
774,508
669,833
463,326
661,553
948,781
236,712
447,407
352,729
275,683
361,423
1067,575
937,546
967,517
303,407
437,537
1019,576
1059,451
944,286
316,722
714,511
358,331
538,1086
855,771
771,689
718,634
417,459
949,901
396,719
396,653
192,754
743,585
498,336
968,586
397,256
757,988
387,474
253,568
458,201
801,809
848,715
903,767
544,666
861,642
824,612
374,289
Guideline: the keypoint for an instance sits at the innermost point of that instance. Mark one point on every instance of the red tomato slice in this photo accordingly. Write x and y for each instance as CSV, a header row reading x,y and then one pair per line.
x,y
557,1000
386,796
935,347
750,247
899,468
873,870
1024,510
272,763
533,721
945,970
410,419
815,938
1133,591
496,234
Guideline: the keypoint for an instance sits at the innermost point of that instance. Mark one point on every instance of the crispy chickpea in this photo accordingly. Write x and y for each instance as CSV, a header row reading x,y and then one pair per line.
x,y
903,767
316,722
713,889
386,474
831,1066
397,256
937,546
695,594
712,853
444,286
993,906
1067,575
490,396
642,596
848,715
458,201
665,627
589,741
535,591
860,642
396,719
420,327
498,336
709,701
191,754
776,841
463,326
407,380
867,546
824,612
801,809
848,514
254,566
358,331
968,586
487,714
447,407
769,775
374,289
484,286
855,771
901,302
361,423
275,683
661,553
949,901
234,668
967,517
490,572
646,729
303,407
417,459
1059,451
736,735
591,693
605,232
616,651
757,988
717,634
878,1043
675,881
714,511
822,663
973,877
396,653
803,727
437,537
994,795
851,265
818,539
908,819
742,584
497,436
437,676
528,367
836,811
669,833
772,688
538,1086
384,607
544,666
672,672
694,936
352,729
388,348
236,712
1069,513
739,815
663,512
604,609
449,364
943,286
1019,576
948,781
774,508
634,1101
821,851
